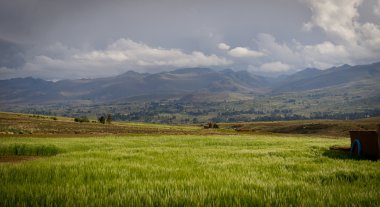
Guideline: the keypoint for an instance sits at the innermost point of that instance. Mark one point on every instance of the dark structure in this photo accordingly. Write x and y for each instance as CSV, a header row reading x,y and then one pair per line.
x,y
210,125
366,143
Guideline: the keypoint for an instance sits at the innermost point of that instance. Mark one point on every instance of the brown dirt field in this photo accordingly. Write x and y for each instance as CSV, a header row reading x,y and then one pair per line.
x,y
21,125
334,128
16,158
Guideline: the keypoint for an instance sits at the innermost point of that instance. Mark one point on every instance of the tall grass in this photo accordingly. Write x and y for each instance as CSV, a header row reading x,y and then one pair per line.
x,y
28,149
255,170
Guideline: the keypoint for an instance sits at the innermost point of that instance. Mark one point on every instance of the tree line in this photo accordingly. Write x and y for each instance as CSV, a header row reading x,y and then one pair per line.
x,y
102,119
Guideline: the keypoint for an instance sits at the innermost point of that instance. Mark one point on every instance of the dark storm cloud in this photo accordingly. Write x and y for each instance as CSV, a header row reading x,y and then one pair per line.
x,y
165,23
92,38
11,54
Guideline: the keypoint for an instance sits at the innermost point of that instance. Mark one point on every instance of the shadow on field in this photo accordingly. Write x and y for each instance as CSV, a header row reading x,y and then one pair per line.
x,y
16,158
25,152
342,155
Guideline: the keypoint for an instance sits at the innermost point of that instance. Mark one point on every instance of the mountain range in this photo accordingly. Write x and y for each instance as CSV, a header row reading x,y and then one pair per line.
x,y
185,84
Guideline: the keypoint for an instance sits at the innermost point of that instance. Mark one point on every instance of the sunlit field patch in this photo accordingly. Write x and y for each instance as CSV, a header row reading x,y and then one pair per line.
x,y
190,170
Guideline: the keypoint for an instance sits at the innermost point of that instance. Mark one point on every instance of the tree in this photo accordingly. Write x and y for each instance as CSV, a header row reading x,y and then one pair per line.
x,y
102,120
81,119
109,119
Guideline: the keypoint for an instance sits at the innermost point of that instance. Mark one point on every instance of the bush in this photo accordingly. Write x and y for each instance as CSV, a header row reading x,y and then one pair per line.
x,y
211,125
109,119
81,119
102,120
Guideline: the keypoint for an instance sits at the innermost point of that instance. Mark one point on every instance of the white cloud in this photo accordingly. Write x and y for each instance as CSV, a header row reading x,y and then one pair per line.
x,y
122,55
370,37
270,68
322,55
243,52
274,67
223,46
140,54
8,73
352,41
337,18
307,27
348,40
376,8
277,51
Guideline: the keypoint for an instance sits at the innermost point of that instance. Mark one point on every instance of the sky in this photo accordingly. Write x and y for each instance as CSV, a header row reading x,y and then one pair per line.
x,y
72,39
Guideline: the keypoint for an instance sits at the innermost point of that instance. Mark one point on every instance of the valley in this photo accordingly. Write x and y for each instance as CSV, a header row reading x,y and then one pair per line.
x,y
198,95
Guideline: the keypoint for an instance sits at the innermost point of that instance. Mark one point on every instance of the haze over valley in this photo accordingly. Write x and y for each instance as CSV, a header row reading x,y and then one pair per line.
x,y
202,94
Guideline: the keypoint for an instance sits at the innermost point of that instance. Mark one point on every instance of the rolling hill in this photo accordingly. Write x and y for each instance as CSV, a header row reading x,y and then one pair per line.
x,y
131,84
184,84
343,75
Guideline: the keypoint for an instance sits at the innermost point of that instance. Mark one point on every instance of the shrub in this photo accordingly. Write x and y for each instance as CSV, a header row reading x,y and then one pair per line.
x,y
81,119
102,120
109,119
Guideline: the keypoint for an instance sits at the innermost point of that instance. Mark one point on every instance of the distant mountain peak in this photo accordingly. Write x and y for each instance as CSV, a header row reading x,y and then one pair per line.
x,y
310,69
130,73
227,71
181,81
342,67
192,70
332,77
303,74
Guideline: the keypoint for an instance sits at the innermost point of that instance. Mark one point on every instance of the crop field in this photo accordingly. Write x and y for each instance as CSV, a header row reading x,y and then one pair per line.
x,y
196,169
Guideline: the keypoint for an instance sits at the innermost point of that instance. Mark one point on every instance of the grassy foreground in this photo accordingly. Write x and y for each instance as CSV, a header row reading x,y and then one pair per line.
x,y
186,170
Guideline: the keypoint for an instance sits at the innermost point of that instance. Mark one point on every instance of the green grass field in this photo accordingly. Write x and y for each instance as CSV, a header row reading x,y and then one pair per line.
x,y
57,162
186,170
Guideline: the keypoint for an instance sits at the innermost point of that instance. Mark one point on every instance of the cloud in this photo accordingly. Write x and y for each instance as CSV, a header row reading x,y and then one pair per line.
x,y
333,34
376,8
11,54
140,54
348,40
324,55
278,51
352,40
59,61
223,46
8,73
271,67
243,52
298,56
275,67
336,18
